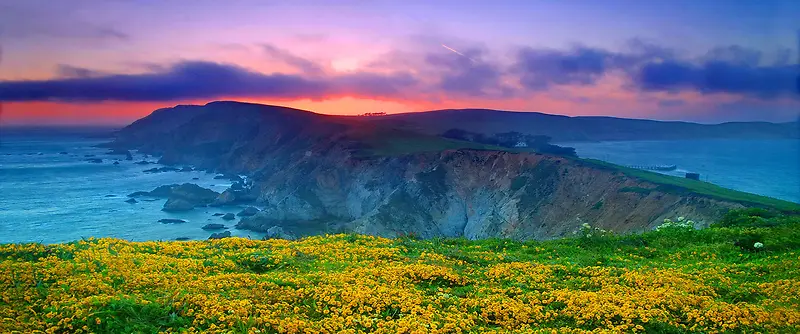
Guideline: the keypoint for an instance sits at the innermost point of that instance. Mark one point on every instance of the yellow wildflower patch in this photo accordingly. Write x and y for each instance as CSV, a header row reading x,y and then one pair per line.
x,y
356,284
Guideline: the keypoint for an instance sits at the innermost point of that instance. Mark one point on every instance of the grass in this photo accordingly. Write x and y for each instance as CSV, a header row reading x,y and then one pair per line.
x,y
673,280
394,142
679,185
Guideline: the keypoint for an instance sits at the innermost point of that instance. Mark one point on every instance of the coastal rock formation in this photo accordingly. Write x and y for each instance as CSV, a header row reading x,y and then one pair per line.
x,y
236,194
171,221
277,232
180,197
174,204
248,211
315,173
209,227
229,216
126,153
220,235
160,170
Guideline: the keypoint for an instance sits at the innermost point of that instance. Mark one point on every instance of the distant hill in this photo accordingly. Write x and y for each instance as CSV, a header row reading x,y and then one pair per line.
x,y
582,128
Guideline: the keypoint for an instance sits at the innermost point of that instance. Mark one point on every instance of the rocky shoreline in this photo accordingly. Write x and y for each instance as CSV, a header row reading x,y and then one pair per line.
x,y
189,196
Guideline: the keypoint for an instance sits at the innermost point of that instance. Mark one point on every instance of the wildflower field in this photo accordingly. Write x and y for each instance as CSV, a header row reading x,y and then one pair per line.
x,y
672,280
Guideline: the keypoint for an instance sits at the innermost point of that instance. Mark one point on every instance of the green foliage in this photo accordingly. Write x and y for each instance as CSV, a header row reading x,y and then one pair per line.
x,y
393,142
753,217
129,315
672,184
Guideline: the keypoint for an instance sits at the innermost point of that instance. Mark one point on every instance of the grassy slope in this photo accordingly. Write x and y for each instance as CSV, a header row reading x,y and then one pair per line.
x,y
682,185
392,142
382,141
668,281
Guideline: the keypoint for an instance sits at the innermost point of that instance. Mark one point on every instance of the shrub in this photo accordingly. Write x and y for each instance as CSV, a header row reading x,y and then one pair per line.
x,y
753,217
750,242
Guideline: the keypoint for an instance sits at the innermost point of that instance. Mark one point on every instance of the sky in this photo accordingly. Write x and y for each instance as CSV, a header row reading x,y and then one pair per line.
x,y
114,61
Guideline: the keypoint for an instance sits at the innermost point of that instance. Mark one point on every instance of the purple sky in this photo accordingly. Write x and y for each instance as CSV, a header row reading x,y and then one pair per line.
x,y
113,61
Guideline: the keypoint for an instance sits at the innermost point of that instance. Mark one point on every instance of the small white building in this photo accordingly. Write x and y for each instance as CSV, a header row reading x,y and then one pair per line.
x,y
521,144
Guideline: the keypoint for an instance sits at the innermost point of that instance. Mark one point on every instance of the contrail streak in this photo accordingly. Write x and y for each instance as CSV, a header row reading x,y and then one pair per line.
x,y
458,53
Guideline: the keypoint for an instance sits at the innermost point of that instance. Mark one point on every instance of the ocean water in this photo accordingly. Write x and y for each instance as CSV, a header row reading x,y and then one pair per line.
x,y
765,167
49,197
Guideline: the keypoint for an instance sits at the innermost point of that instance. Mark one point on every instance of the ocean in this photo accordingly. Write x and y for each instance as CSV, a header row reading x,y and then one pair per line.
x,y
48,196
765,167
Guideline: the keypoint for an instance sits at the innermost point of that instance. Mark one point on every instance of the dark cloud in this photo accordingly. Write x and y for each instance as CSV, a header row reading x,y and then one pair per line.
x,y
187,80
734,54
202,80
68,71
731,69
718,77
466,74
539,69
290,59
429,75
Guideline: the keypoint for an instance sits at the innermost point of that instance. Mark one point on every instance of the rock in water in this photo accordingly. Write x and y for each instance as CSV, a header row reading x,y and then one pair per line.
x,y
171,221
182,238
247,212
218,214
95,160
229,216
225,198
209,227
277,232
160,170
116,162
181,197
174,204
143,162
132,201
220,235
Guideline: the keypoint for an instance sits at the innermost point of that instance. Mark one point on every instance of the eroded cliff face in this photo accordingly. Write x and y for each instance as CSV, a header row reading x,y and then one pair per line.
x,y
315,174
474,194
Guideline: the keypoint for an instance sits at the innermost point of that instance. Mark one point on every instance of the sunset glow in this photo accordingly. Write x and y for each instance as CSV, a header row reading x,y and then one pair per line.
x,y
113,62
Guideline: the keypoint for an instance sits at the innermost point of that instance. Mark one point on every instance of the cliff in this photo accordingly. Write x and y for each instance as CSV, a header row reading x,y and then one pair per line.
x,y
317,174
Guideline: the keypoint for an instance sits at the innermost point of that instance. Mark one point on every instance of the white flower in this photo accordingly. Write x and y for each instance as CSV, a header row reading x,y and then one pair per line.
x,y
758,245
